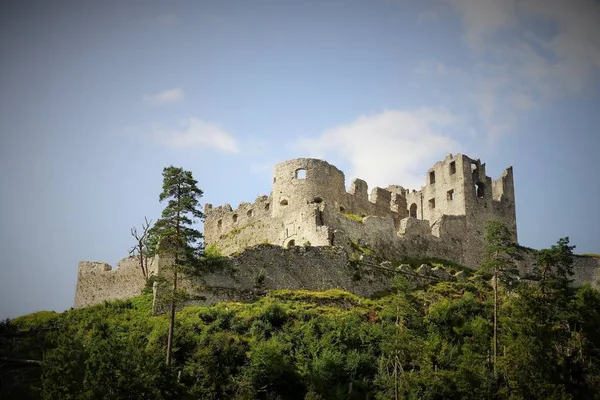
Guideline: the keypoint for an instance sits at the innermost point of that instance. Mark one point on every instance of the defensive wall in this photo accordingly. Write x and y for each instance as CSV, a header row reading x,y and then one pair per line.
x,y
98,281
256,270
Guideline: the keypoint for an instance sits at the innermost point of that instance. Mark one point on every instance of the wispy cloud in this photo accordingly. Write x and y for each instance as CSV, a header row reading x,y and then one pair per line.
x,y
528,53
196,133
392,147
165,97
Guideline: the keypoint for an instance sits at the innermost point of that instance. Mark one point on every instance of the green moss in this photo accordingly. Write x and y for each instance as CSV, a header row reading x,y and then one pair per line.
x,y
591,255
353,217
236,231
213,250
361,249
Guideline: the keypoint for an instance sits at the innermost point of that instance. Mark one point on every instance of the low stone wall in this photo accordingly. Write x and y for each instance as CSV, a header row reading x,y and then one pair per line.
x,y
587,270
256,270
98,281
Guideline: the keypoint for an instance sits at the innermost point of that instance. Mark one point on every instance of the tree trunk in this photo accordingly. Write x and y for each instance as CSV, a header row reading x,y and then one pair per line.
x,y
172,318
495,317
176,266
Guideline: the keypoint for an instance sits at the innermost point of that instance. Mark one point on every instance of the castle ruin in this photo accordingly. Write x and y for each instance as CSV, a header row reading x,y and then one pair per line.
x,y
306,233
309,205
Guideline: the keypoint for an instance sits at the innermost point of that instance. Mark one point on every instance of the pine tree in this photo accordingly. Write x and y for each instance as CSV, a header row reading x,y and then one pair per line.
x,y
500,257
554,267
175,235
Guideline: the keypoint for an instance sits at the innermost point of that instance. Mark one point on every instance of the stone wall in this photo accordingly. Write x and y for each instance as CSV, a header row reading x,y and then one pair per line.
x,y
98,281
309,200
265,267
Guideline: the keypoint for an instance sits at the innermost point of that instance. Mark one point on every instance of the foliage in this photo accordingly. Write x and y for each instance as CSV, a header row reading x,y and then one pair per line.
x,y
430,343
425,342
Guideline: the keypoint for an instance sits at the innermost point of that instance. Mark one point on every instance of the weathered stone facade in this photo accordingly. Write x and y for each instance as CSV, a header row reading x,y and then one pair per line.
x,y
309,205
302,234
98,281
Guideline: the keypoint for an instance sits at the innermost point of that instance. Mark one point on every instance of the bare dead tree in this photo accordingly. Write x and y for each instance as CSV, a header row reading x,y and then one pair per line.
x,y
140,246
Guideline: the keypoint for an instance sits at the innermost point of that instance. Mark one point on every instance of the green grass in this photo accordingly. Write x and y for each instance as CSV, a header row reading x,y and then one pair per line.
x,y
592,255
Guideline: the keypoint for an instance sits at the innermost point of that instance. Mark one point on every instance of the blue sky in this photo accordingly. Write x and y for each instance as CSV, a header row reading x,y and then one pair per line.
x,y
97,97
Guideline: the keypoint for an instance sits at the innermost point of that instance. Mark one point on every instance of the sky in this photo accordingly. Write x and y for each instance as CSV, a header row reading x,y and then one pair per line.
x,y
97,97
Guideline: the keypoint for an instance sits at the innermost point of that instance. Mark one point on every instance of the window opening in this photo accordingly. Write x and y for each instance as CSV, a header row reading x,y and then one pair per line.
x,y
412,211
480,190
317,200
342,209
220,223
450,195
283,202
291,243
432,177
473,166
432,203
235,217
301,173
249,213
452,168
267,206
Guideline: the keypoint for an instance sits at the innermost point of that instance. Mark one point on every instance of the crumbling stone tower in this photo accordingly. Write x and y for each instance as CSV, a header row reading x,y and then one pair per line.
x,y
309,205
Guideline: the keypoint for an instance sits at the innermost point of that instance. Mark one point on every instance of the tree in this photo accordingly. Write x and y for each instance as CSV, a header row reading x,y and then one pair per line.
x,y
554,267
500,257
399,352
141,246
176,236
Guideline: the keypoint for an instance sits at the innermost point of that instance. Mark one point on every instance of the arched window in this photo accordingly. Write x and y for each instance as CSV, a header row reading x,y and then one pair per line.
x,y
479,190
291,243
267,207
235,216
249,213
283,202
412,212
317,200
220,223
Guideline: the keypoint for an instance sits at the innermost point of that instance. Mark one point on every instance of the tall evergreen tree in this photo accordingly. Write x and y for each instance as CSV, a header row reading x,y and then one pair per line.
x,y
174,232
554,267
500,257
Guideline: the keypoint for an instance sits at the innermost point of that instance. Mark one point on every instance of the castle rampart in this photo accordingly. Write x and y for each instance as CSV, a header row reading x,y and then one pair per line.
x,y
98,281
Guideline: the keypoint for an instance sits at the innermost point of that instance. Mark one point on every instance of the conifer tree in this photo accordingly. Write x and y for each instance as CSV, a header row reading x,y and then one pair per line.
x,y
175,235
500,257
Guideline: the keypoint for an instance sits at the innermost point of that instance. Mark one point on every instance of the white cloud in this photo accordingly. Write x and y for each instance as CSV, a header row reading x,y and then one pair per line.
x,y
165,97
529,52
196,133
392,147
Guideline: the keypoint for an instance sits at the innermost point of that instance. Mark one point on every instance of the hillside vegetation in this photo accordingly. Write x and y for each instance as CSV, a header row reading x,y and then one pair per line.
x,y
432,342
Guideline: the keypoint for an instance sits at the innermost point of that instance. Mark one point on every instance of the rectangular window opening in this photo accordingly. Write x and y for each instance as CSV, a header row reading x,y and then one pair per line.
x,y
432,177
432,203
450,195
452,167
301,173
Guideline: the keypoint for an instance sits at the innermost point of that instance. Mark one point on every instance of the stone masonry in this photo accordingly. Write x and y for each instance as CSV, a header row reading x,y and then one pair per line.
x,y
309,205
301,236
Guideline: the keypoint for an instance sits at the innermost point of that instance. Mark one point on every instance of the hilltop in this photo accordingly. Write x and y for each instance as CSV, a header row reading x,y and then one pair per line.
x,y
419,341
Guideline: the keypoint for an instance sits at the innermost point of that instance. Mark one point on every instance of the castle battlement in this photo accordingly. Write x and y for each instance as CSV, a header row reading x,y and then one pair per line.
x,y
309,204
